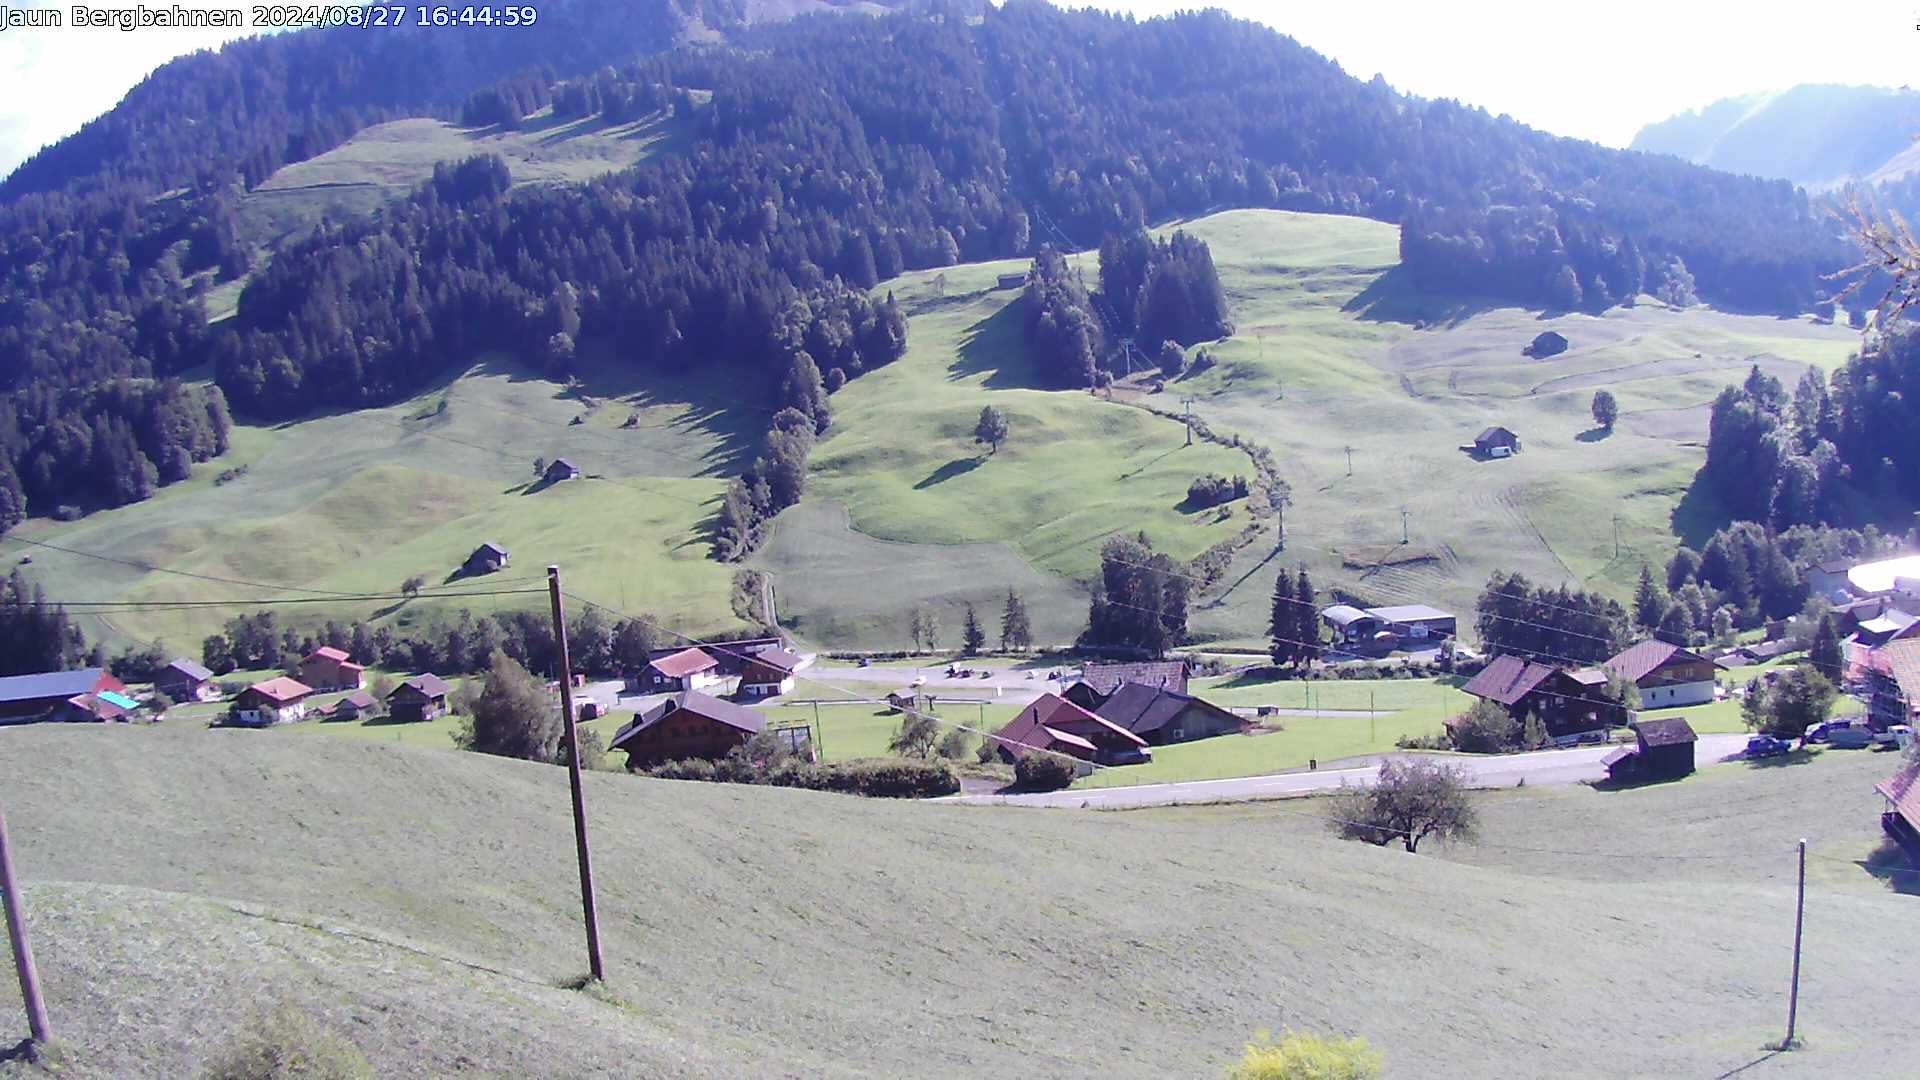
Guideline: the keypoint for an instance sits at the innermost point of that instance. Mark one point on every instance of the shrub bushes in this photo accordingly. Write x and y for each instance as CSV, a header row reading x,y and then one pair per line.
x,y
1043,772
1211,490
1302,1056
886,778
287,1043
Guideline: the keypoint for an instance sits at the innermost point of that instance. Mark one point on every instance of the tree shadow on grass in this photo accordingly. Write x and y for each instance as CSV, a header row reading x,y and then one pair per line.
x,y
956,467
1698,516
1594,435
1894,866
996,347
1394,297
1791,757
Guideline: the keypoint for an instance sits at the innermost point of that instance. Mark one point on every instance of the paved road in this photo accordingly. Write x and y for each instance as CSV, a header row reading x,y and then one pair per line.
x,y
1540,767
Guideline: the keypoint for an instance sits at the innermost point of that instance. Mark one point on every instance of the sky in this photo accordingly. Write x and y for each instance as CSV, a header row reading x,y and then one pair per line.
x,y
1595,71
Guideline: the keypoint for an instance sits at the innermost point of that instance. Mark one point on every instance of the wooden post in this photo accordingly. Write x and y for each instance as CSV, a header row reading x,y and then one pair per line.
x,y
22,951
573,777
1799,923
819,735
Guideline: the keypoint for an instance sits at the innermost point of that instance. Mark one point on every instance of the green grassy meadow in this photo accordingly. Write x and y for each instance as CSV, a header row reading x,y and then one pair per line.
x,y
1333,349
358,502
904,507
421,902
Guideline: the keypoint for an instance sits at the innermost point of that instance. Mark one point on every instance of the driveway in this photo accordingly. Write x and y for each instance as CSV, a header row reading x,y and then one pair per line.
x,y
1505,770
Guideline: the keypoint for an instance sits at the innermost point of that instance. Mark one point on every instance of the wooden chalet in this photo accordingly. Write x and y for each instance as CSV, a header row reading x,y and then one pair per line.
x,y
45,696
418,698
1163,716
1902,817
732,653
1662,750
357,705
1893,679
1566,705
1666,674
688,725
769,672
1098,681
327,669
1054,724
688,669
275,701
486,559
560,470
184,680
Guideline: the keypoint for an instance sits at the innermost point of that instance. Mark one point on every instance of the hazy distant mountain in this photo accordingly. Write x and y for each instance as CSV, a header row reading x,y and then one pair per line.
x,y
1814,135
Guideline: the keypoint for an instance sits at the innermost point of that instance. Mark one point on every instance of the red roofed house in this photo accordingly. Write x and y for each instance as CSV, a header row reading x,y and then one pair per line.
x,y
688,669
276,701
1565,704
1902,817
327,668
688,725
1052,723
1666,674
769,672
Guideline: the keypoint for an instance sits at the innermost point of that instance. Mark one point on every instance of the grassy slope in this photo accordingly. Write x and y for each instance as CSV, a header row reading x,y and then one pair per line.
x,y
422,902
937,518
357,502
1333,349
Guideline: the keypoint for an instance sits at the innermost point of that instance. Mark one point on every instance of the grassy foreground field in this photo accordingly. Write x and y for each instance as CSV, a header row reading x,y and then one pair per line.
x,y
421,903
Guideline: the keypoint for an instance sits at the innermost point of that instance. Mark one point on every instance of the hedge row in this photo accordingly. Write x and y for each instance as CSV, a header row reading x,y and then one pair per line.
x,y
890,778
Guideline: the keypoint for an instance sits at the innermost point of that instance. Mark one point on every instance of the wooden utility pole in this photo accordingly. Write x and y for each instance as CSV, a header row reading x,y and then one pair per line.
x,y
1349,460
1404,537
1799,923
1188,403
22,952
819,734
573,777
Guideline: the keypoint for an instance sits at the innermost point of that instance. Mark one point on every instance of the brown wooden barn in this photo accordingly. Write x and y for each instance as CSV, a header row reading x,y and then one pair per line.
x,y
1163,716
687,725
1564,704
1663,750
419,698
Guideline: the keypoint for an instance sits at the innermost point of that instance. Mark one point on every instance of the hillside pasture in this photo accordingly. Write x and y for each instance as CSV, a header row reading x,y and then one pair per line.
x,y
358,502
1334,349
422,904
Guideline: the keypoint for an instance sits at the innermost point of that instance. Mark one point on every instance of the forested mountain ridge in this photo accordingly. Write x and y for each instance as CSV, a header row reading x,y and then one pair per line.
x,y
821,148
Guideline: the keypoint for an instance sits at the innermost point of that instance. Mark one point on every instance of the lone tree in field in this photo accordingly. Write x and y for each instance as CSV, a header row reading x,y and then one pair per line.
x,y
1410,801
972,638
992,428
918,733
1605,409
513,717
413,585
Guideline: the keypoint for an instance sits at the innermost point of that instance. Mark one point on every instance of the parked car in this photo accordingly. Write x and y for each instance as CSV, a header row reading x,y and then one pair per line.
x,y
1849,738
1896,737
1763,746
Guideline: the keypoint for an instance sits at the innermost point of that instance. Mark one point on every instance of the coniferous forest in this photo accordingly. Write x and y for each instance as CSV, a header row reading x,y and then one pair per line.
x,y
823,154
